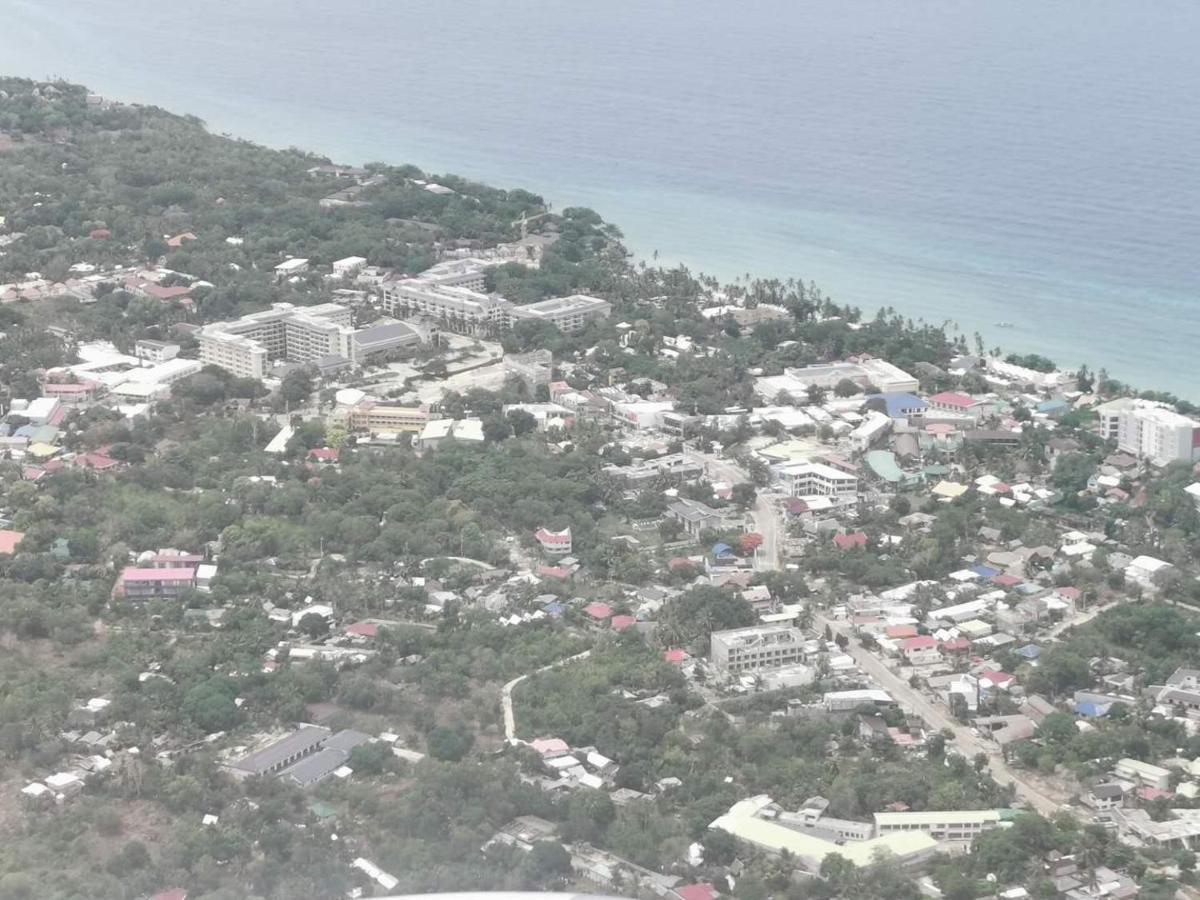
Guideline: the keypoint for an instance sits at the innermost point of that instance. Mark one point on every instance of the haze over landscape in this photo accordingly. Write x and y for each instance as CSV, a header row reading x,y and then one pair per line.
x,y
1016,163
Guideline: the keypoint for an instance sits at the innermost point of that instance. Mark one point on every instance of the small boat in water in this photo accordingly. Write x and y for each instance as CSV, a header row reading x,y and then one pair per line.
x,y
1004,325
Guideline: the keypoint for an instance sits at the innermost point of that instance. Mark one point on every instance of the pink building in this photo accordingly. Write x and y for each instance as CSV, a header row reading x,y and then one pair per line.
x,y
137,583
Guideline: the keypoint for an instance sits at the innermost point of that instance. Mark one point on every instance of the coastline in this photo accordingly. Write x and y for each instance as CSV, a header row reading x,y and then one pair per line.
x,y
855,259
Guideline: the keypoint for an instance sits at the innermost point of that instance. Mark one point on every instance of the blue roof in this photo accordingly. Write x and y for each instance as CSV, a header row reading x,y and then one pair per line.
x,y
554,608
1095,710
985,571
899,403
1029,651
24,431
1052,405
721,549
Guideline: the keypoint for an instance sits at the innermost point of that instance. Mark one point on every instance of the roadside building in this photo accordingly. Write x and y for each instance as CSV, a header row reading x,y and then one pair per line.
x,y
755,648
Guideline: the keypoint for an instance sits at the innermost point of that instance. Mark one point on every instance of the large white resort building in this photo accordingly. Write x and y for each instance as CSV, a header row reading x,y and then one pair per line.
x,y
248,346
453,293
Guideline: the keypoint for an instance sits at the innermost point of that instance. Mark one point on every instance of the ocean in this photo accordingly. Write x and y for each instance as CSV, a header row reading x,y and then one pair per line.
x,y
1022,162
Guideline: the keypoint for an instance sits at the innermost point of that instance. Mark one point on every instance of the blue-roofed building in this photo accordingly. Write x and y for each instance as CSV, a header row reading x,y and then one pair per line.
x,y
554,608
722,549
985,571
1054,407
1029,651
903,405
1092,709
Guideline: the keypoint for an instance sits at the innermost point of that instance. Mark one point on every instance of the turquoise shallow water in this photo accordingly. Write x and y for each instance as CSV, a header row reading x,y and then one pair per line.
x,y
1023,162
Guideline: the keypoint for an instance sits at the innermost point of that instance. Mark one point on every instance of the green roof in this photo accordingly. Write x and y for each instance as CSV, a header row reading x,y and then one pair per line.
x,y
883,463
322,810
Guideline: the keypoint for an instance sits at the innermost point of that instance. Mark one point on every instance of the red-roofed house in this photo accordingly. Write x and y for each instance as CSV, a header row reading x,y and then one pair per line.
x,y
99,234
324,454
70,391
955,645
363,629
901,631
598,611
850,541
550,746
620,623
553,572
921,650
172,894
137,583
995,678
1007,580
701,890
9,540
675,655
179,239
960,404
554,543
679,562
96,461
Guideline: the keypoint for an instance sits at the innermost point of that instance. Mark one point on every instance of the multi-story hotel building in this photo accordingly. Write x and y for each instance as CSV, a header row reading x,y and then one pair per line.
x,y
1150,430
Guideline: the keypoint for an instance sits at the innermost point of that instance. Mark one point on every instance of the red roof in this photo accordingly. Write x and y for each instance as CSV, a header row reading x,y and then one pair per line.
x,y
678,562
553,572
1149,793
549,745
675,656
953,398
172,894
99,234
996,677
97,461
620,623
702,890
598,610
920,642
958,644
1069,593
1006,580
9,540
329,454
901,631
546,536
849,541
363,629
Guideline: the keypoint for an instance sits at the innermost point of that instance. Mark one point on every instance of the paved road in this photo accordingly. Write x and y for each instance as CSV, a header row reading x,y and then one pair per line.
x,y
506,694
966,742
766,517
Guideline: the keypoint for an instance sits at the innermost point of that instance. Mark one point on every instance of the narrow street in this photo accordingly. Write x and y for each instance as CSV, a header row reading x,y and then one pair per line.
x,y
966,742
766,517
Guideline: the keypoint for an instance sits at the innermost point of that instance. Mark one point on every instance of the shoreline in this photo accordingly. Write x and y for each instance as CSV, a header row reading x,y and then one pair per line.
x,y
701,249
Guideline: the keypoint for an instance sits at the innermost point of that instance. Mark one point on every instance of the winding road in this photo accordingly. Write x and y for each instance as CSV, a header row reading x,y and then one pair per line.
x,y
506,694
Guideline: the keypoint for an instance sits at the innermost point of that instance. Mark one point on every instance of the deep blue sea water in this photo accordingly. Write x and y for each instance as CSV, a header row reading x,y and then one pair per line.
x,y
1023,161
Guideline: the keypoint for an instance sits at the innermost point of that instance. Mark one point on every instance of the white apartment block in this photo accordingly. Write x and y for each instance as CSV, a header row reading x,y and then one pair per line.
x,y
155,351
758,647
949,825
1150,431
564,313
247,346
453,293
813,479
